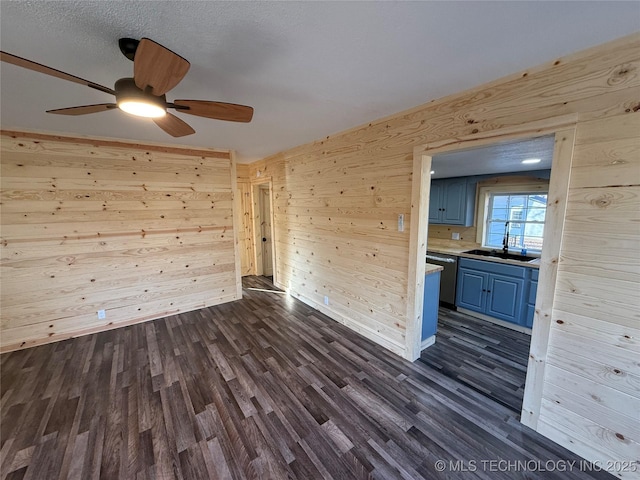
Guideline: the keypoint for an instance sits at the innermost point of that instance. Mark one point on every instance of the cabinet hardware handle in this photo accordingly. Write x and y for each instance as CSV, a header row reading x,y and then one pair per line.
x,y
488,291
441,259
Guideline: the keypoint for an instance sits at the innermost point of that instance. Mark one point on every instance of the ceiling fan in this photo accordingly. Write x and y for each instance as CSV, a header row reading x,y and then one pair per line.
x,y
156,70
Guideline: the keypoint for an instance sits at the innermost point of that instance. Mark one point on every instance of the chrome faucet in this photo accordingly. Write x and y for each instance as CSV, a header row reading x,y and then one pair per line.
x,y
505,239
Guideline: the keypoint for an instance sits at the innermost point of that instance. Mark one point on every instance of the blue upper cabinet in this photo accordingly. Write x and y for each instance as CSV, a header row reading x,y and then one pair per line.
x,y
435,202
452,201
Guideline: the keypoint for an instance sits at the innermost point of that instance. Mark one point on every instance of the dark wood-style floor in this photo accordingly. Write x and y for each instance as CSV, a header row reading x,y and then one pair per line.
x,y
488,358
261,388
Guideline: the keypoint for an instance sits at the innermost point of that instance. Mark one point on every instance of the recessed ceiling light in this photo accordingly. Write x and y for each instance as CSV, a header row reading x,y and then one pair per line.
x,y
432,172
531,160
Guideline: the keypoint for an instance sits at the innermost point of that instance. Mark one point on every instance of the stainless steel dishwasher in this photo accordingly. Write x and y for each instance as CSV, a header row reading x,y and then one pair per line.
x,y
448,277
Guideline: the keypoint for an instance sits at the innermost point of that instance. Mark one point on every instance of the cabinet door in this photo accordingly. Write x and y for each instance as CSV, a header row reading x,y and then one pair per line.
x,y
472,287
531,304
454,202
530,312
504,298
435,202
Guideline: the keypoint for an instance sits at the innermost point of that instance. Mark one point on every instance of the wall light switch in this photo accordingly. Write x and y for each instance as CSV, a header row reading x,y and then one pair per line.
x,y
326,300
455,236
401,222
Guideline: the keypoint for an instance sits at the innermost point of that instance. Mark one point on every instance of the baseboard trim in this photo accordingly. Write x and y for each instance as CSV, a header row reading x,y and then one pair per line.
x,y
354,325
497,321
427,342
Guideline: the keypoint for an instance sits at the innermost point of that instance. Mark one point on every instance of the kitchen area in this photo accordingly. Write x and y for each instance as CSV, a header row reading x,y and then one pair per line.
x,y
486,225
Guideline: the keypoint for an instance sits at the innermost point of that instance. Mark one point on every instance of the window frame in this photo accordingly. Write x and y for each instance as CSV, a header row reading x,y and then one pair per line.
x,y
484,198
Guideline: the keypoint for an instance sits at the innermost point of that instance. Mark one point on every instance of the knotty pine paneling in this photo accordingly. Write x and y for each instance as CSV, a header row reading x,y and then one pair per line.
x,y
245,231
336,204
596,319
138,231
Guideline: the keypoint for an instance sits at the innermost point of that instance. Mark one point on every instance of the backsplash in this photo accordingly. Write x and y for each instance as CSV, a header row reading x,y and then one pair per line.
x,y
467,234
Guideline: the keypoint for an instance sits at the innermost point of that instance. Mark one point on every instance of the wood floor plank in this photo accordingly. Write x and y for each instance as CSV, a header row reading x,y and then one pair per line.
x,y
266,388
486,357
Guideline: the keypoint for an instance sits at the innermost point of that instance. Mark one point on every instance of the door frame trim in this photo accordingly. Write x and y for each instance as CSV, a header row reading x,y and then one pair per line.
x,y
256,216
564,130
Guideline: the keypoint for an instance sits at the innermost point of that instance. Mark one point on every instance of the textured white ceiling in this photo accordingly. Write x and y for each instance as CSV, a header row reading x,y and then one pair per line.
x,y
309,69
498,158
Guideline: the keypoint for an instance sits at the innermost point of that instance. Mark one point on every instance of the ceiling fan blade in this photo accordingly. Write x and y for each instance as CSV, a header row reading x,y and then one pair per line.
x,y
84,109
157,67
37,67
216,110
173,125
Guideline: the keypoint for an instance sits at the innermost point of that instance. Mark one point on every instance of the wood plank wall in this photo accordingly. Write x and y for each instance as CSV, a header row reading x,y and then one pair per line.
x,y
245,230
138,231
336,204
591,392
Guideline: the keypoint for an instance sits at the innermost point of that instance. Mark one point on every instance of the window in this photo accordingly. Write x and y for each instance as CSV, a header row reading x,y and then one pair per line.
x,y
521,215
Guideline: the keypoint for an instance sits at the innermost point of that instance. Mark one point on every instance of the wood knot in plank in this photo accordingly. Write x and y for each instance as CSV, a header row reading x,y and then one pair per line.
x,y
603,201
621,74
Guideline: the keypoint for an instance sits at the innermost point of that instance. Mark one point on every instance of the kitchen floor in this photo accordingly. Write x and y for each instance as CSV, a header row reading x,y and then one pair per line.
x,y
486,357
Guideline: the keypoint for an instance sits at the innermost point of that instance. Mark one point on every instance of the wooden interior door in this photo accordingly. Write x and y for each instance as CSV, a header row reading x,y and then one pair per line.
x,y
265,229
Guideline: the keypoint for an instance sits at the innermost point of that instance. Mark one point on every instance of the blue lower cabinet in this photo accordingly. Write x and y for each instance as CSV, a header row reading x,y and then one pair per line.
x,y
430,304
530,311
471,289
504,298
531,299
498,290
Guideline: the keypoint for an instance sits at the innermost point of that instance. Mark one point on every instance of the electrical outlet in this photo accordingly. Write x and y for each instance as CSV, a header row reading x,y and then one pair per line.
x,y
401,222
102,315
326,300
455,236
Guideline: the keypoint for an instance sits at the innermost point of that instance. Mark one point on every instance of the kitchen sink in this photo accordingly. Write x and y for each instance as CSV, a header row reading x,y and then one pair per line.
x,y
500,254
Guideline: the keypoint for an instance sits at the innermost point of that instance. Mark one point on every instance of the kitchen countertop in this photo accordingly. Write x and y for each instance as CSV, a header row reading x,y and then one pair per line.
x,y
429,268
454,247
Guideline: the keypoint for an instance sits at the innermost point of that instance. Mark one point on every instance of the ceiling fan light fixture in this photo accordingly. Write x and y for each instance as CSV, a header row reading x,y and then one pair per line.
x,y
132,100
141,108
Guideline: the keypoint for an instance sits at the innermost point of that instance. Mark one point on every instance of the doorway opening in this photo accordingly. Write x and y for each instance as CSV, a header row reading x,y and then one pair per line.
x,y
486,307
562,133
264,248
